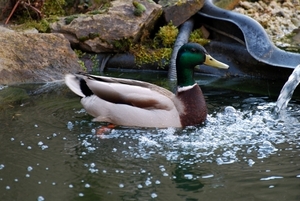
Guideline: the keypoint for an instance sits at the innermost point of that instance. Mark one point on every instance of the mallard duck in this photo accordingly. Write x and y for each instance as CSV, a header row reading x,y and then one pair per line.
x,y
135,103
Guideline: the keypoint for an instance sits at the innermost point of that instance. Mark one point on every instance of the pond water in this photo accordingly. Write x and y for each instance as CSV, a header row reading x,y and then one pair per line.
x,y
50,150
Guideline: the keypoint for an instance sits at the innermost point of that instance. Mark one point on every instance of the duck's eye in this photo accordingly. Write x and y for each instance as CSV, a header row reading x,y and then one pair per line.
x,y
193,50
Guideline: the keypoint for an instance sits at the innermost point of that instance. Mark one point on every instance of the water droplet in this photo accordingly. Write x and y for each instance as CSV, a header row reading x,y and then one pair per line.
x,y
165,174
29,147
43,147
87,185
229,110
153,195
271,178
140,186
12,139
121,185
148,182
7,187
1,166
71,186
188,176
250,162
162,169
70,125
29,168
219,161
40,198
157,182
207,176
81,194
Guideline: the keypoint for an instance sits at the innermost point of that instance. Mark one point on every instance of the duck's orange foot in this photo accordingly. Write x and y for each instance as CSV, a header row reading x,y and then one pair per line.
x,y
104,129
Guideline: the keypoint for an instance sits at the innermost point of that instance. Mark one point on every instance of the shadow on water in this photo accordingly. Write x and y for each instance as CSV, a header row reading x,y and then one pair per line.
x,y
49,149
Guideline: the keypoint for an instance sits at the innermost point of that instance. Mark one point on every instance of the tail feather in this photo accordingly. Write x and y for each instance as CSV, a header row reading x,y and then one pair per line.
x,y
78,85
84,88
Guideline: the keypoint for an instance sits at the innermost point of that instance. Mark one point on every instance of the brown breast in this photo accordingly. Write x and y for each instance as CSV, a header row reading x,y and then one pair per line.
x,y
195,110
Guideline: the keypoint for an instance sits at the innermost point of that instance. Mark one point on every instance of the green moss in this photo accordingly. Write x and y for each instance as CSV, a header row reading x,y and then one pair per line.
x,y
96,12
122,45
139,8
167,35
197,37
51,9
83,38
180,2
102,7
157,50
95,63
70,18
41,26
80,54
146,55
93,35
54,8
88,57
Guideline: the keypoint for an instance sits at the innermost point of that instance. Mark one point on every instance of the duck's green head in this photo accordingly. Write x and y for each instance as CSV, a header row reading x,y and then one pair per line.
x,y
189,56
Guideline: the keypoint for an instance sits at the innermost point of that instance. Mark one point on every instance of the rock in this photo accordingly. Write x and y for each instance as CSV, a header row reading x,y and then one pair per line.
x,y
178,11
279,18
4,29
100,32
29,57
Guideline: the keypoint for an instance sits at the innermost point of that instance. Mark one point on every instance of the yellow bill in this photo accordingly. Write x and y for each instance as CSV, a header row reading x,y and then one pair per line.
x,y
210,61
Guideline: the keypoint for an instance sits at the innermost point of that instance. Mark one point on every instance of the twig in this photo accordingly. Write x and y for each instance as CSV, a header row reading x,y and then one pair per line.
x,y
12,11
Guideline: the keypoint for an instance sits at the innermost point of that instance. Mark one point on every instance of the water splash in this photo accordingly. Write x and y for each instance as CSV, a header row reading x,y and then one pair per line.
x,y
229,136
287,90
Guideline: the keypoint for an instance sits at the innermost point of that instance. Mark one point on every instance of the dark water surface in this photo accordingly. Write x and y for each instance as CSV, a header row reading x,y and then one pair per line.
x,y
49,149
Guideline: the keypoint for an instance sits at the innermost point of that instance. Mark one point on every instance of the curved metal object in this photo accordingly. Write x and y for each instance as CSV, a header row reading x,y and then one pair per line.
x,y
246,33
